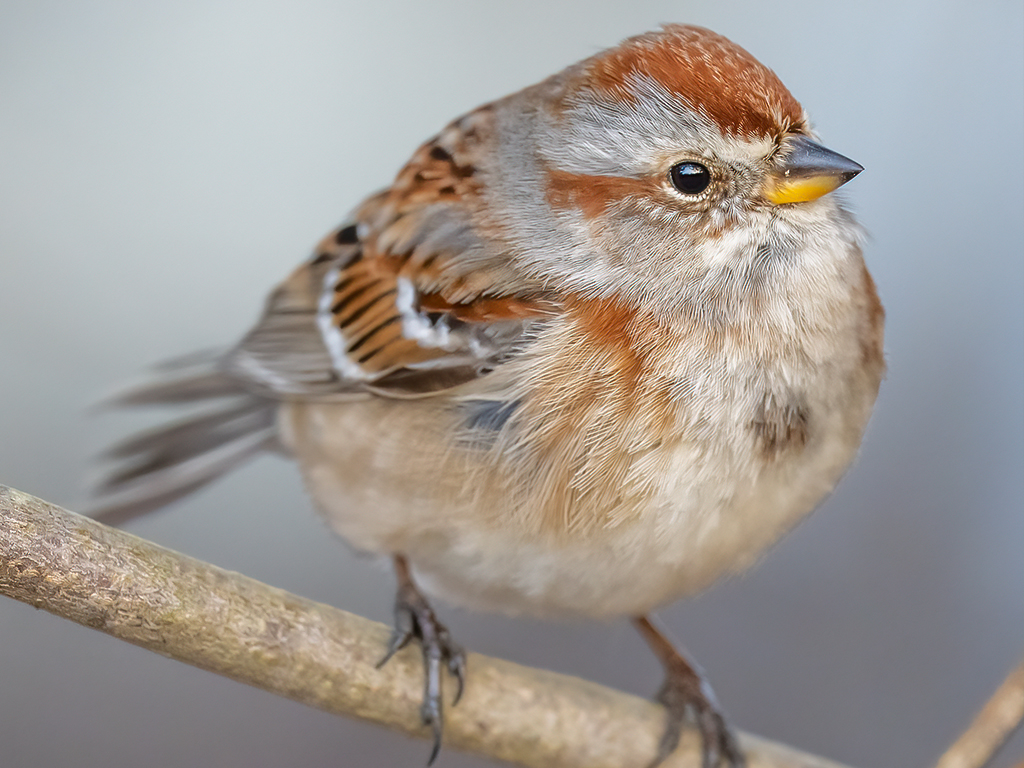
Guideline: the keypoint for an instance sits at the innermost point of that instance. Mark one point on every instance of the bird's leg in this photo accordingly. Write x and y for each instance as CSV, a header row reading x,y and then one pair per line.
x,y
685,693
415,619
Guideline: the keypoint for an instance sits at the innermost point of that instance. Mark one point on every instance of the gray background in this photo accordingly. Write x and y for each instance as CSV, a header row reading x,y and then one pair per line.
x,y
162,165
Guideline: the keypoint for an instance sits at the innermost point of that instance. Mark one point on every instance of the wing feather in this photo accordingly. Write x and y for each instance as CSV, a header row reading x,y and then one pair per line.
x,y
407,298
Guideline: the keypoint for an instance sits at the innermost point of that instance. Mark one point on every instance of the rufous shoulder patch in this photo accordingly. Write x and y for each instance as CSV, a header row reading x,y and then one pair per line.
x,y
872,341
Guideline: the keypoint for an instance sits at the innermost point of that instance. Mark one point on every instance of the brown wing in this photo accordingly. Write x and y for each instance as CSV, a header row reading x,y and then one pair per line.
x,y
409,299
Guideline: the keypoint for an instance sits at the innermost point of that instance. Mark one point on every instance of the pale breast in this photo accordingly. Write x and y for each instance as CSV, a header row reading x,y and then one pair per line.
x,y
604,478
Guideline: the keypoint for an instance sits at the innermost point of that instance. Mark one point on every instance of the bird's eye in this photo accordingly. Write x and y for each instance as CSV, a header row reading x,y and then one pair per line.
x,y
690,178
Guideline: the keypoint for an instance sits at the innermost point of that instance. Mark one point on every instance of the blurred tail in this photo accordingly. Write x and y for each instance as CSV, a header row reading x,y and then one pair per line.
x,y
162,465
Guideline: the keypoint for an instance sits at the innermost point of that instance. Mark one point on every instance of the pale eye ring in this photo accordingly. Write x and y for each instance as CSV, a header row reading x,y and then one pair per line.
x,y
689,177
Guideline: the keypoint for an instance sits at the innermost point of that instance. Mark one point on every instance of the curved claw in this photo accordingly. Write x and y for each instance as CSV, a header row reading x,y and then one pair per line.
x,y
401,636
457,669
432,714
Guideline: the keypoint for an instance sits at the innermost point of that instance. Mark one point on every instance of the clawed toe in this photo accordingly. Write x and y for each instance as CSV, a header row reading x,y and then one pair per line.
x,y
687,697
684,703
416,620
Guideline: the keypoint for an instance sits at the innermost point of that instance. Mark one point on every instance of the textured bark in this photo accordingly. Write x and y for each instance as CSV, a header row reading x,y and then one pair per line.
x,y
235,626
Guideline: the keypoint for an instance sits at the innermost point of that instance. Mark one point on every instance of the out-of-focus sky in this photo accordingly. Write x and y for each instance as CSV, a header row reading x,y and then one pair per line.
x,y
163,165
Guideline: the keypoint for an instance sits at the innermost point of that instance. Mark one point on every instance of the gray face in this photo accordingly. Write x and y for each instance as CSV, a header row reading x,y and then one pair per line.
x,y
626,230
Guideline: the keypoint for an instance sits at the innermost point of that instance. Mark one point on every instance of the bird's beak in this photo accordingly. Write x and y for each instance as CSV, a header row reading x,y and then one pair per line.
x,y
806,172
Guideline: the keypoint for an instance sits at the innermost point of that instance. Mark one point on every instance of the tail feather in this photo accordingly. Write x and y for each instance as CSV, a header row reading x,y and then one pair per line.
x,y
159,466
187,379
194,435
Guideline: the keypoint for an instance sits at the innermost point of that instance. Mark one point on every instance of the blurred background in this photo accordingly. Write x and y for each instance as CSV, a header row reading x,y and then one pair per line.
x,y
163,165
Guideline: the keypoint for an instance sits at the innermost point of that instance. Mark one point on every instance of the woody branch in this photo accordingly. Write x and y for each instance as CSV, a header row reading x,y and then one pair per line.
x,y
235,626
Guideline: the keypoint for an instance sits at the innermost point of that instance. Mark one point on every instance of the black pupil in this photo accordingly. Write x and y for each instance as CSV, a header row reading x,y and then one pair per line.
x,y
690,178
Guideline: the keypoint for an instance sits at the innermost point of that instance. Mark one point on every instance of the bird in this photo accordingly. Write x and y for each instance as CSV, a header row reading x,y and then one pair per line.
x,y
600,343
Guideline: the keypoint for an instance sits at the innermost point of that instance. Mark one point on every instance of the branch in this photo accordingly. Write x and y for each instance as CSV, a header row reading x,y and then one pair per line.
x,y
996,722
235,626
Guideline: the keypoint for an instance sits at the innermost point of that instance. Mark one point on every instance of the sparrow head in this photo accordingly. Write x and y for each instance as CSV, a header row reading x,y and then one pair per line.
x,y
666,162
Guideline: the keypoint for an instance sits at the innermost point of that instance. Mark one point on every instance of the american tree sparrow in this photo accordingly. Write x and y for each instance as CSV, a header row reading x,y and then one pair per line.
x,y
601,342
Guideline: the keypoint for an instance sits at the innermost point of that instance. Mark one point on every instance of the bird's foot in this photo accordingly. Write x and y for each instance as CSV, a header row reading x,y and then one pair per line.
x,y
416,620
687,697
